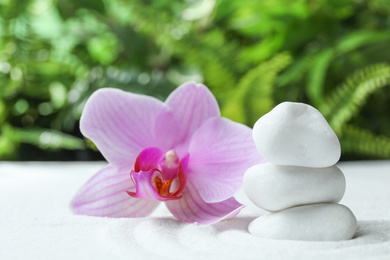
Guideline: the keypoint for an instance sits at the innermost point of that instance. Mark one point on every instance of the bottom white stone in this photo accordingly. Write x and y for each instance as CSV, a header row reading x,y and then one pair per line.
x,y
316,222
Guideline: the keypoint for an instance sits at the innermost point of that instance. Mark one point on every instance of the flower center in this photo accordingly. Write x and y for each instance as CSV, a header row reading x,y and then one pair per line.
x,y
162,187
158,175
171,159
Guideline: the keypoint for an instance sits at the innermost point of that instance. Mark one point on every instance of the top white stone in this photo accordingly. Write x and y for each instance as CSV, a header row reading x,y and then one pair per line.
x,y
296,134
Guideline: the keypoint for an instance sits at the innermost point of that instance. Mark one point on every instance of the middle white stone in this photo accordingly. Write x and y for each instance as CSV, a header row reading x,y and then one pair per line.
x,y
274,187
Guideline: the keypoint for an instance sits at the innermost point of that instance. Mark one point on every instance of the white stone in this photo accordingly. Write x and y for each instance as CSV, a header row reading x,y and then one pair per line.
x,y
317,222
274,187
296,134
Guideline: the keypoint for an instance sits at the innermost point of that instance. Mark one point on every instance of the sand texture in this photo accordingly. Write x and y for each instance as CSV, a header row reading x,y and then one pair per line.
x,y
36,223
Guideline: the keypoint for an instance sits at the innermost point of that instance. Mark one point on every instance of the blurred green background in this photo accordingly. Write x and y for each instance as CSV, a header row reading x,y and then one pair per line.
x,y
332,54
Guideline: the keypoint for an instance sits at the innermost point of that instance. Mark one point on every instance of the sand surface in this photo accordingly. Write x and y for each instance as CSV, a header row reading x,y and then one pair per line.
x,y
36,223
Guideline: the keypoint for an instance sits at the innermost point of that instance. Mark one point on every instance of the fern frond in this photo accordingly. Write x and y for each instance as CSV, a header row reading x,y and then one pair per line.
x,y
253,96
360,141
346,100
219,78
358,39
295,71
317,74
208,50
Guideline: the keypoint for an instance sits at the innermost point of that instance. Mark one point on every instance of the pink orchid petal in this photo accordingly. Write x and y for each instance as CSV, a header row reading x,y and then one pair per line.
x,y
105,195
191,208
148,159
122,124
191,104
221,151
182,174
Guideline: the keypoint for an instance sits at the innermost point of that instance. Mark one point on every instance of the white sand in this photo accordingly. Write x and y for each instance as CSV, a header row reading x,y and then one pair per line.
x,y
36,223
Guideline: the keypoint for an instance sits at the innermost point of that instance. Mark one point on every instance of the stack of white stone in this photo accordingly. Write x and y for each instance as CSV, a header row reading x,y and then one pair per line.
x,y
300,184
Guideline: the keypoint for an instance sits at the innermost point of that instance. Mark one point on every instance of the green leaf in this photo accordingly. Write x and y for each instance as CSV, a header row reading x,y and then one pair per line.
x,y
8,146
295,72
317,74
346,100
48,139
90,144
2,111
264,49
254,94
103,48
355,140
58,94
359,39
68,8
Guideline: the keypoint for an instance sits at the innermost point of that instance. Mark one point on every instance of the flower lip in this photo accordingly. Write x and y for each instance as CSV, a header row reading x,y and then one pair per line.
x,y
159,176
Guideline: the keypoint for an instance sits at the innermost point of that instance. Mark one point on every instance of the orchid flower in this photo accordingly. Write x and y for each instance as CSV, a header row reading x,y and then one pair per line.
x,y
180,152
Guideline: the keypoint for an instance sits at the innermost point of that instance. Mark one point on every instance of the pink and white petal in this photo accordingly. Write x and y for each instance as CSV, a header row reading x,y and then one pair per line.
x,y
105,195
213,189
148,159
165,130
121,124
182,174
191,104
221,151
191,208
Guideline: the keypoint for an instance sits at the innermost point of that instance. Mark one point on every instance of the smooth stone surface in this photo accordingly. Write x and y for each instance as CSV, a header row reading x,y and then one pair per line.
x,y
318,222
296,134
274,187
